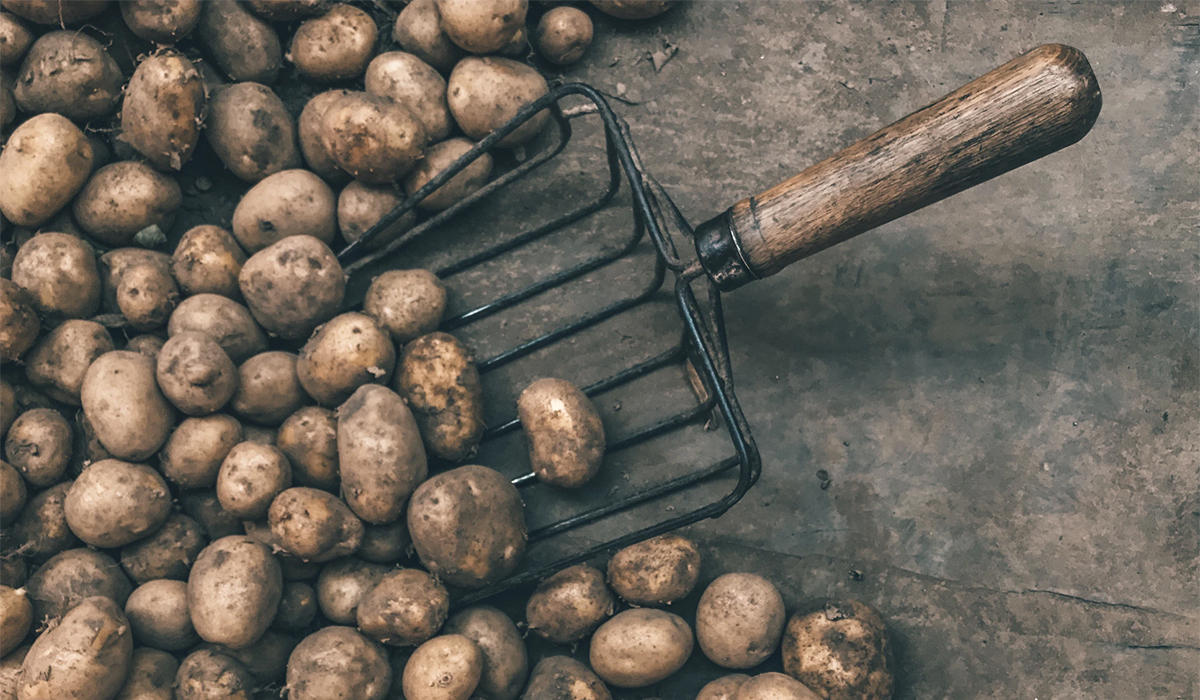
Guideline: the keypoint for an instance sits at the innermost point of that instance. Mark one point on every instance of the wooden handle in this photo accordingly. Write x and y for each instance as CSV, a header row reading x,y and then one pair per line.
x,y
1033,105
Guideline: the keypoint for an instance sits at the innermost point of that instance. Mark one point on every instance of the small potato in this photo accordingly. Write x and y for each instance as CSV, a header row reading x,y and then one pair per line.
x,y
222,319
206,674
564,678
122,402
39,445
70,577
285,10
309,439
406,303
380,455
482,26
116,263
13,494
404,78
86,656
15,39
439,157
341,586
372,138
418,30
739,620
314,525
385,544
205,508
146,296
56,365
563,35
346,352
723,688
774,686
632,9
361,206
566,607
56,12
207,261
485,93
147,344
194,452
658,571
250,478
338,662
16,617
70,73
164,109
250,130
161,21
19,323
268,389
309,128
293,286
166,554
151,676
334,46
123,198
288,203
563,430
444,668
505,660
195,374
406,607
468,526
57,269
438,379
243,46
640,647
113,503
841,651
261,436
41,530
233,591
158,612
297,607
266,659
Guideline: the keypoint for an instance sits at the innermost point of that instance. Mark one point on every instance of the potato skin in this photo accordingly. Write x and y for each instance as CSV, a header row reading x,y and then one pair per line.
x,y
123,198
739,620
338,663
146,295
71,576
163,110
563,35
195,374
342,584
15,39
297,607
285,10
222,319
723,688
774,686
439,157
505,660
567,606
86,656
563,430
406,303
446,667
361,206
418,30
69,73
166,554
158,612
151,676
13,494
485,92
438,379
19,324
161,21
841,651
482,27
57,364
116,263
372,138
56,12
403,77
309,439
346,352
243,46
113,503
41,530
16,617
334,46
251,475
233,591
380,455
632,9
57,269
268,388
207,261
207,674
193,453
406,607
38,445
314,525
287,203
309,128
564,678
250,130
122,402
293,286
468,526
639,647
657,571
205,508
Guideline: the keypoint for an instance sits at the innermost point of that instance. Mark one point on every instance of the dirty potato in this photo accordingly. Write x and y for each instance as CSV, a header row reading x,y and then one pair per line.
x,y
56,12
484,93
38,445
86,656
288,203
207,261
293,286
439,157
113,503
122,402
403,77
563,35
385,544
418,30
58,271
314,525
739,620
657,571
19,323
167,553
205,508
16,617
380,455
639,647
14,493
146,296
334,46
309,128
250,477
222,319
338,662
841,651
309,439
632,9
362,206
250,130
482,26
207,674
505,660
566,607
158,612
233,591
243,46
297,607
346,352
69,577
564,678
406,607
438,379
117,262
15,39
342,584
268,389
147,344
194,451
163,110
723,688
372,138
161,21
151,676
774,686
285,10
121,199
195,374
70,73
563,430
41,530
406,303
56,365
444,668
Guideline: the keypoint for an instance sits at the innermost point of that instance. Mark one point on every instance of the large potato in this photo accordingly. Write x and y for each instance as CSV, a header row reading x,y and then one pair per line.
x,y
233,591
380,456
123,198
70,73
41,530
56,12
85,657
309,439
438,379
362,206
151,676
163,110
195,374
57,364
243,46
335,663
372,138
334,46
168,553
38,444
207,261
13,494
485,93
314,525
161,21
566,607
564,678
158,612
563,430
439,157
293,286
16,617
59,272
406,303
841,651
444,668
122,402
406,607
468,526
69,577
632,9
113,503
207,674
403,77
19,324
505,660
723,688
774,686
482,26
250,130
222,319
346,352
309,128
15,39
418,30
739,620
563,35
268,389
639,647
341,586
657,571
250,478
288,203
194,452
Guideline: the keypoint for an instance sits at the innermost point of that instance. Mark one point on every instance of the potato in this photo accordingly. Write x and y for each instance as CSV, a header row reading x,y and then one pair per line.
x,y
243,46
563,35
56,365
38,445
250,477
723,688
206,674
342,584
8,405
116,263
266,660
385,544
337,662
632,9
56,12
439,157
518,46
151,676
404,78
57,269
505,660
309,439
13,572
563,430
194,452
147,344
640,647
268,389
309,128
485,93
222,319
345,353
121,199
168,553
406,303
774,686
205,508
361,206
567,606
564,678
70,577
372,138
70,73
122,402
163,110
207,261
438,379
250,130
335,46
658,571
840,651
86,656
146,296
8,107
380,455
482,26
161,21
468,526
444,668
15,39
233,591
297,607
158,612
13,494
293,286
256,434
41,530
10,672
739,620
314,525
195,374
418,30
19,323
288,203
16,617
406,607
113,503
285,10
